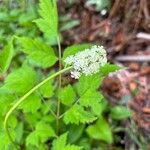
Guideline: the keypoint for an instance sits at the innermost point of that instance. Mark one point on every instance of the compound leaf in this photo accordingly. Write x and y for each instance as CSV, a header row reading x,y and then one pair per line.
x,y
31,103
20,80
67,95
48,23
47,90
61,143
39,52
77,115
100,131
92,99
88,83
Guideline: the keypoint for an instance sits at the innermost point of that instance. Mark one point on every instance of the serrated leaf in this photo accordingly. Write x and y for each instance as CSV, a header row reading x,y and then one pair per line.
x,y
31,103
6,144
6,98
72,50
61,143
100,131
48,23
41,134
120,112
38,51
6,56
92,99
47,90
77,115
88,83
109,68
32,139
67,95
20,80
44,131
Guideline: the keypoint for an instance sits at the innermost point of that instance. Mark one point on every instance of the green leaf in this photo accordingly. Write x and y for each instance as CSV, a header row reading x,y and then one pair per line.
x,y
19,132
67,95
38,51
88,83
75,132
44,131
6,57
72,50
60,144
47,90
31,103
109,68
48,23
92,99
69,25
120,112
32,139
20,80
100,131
77,114
6,98
5,141
72,147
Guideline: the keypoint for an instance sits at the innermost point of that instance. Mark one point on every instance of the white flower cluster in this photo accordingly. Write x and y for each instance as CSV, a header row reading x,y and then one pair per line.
x,y
87,62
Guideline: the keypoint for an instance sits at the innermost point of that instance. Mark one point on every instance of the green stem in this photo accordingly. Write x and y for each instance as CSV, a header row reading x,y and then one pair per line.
x,y
25,96
59,87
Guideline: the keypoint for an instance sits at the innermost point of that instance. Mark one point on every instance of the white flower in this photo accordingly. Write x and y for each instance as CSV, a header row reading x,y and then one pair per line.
x,y
87,62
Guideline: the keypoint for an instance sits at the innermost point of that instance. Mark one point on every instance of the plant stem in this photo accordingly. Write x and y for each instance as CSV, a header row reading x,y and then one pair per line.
x,y
26,95
59,86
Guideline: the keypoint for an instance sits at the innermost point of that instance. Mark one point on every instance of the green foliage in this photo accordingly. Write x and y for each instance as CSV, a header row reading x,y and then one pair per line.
x,y
38,51
48,23
100,131
75,132
6,56
67,95
47,90
5,142
39,121
92,99
108,68
31,104
77,115
120,112
69,25
17,20
20,80
42,133
88,83
6,99
60,143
